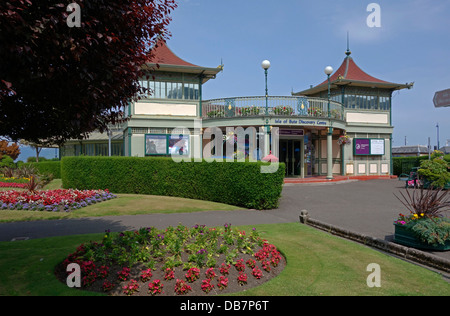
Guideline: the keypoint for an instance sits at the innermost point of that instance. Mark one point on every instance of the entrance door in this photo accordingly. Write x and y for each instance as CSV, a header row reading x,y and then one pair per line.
x,y
290,154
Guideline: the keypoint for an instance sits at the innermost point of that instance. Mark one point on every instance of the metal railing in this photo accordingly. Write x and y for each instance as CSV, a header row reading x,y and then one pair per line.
x,y
276,106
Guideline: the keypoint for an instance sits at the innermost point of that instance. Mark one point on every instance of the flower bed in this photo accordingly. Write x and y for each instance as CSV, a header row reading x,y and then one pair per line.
x,y
14,180
52,200
426,227
18,183
12,185
177,261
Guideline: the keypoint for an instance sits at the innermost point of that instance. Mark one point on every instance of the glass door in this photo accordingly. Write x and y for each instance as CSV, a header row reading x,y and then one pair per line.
x,y
290,154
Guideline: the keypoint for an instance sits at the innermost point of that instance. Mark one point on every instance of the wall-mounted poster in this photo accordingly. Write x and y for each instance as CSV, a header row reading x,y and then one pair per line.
x,y
362,147
179,145
369,147
377,147
155,145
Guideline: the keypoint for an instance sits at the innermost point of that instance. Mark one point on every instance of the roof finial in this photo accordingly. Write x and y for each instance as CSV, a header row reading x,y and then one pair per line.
x,y
348,52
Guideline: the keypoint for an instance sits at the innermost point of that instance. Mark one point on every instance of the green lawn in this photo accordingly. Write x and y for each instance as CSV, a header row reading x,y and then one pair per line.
x,y
317,264
125,204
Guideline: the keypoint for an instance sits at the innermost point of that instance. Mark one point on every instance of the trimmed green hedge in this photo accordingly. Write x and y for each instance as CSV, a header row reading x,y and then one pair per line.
x,y
240,184
405,164
47,167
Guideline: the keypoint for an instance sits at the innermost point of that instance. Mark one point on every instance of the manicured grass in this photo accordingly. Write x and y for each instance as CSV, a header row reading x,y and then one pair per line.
x,y
54,185
322,264
125,204
317,264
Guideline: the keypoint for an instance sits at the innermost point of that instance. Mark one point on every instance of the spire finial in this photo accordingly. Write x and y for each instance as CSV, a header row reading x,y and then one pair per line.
x,y
348,52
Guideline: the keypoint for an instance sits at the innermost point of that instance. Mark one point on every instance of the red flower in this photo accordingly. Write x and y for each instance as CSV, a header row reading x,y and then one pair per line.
x,y
242,278
223,282
155,287
207,286
181,287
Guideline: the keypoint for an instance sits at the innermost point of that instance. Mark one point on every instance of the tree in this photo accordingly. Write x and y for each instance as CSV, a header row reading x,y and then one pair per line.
x,y
59,82
435,170
11,150
36,146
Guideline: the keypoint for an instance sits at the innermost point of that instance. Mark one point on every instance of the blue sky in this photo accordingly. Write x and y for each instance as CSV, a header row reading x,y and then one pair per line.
x,y
300,38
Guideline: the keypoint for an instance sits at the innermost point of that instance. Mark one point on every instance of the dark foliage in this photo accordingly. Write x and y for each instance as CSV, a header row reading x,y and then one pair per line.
x,y
430,203
59,82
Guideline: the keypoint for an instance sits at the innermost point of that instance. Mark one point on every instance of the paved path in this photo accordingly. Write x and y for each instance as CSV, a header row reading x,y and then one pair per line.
x,y
367,207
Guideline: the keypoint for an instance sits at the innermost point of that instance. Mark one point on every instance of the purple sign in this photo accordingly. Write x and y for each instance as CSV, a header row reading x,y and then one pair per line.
x,y
362,146
291,132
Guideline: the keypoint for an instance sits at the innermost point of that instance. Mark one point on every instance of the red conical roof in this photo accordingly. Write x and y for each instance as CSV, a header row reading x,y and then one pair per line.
x,y
349,70
163,55
350,74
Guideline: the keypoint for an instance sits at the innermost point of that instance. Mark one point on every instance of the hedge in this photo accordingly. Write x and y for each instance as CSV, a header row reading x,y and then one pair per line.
x,y
405,164
47,167
235,183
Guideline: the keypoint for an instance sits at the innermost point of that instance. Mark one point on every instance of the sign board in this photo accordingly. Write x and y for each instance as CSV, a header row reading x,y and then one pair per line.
x,y
362,147
369,147
298,122
165,144
377,147
442,99
291,132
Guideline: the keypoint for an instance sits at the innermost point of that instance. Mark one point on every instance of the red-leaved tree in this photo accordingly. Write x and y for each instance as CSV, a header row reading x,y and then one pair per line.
x,y
59,82
11,150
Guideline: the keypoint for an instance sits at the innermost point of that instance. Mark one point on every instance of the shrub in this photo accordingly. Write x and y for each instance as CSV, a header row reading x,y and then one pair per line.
x,y
6,161
237,183
405,164
426,221
435,170
432,231
425,203
47,168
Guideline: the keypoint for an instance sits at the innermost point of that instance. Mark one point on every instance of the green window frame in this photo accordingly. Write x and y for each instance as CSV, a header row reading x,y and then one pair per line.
x,y
170,89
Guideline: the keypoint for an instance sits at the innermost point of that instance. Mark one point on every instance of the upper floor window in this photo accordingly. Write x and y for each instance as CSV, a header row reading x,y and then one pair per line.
x,y
169,90
367,102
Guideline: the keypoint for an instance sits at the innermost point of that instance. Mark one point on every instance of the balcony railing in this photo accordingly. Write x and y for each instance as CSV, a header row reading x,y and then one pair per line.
x,y
276,106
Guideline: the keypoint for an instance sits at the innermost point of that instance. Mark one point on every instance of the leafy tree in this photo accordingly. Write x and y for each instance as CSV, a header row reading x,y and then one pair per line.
x,y
10,150
59,82
435,170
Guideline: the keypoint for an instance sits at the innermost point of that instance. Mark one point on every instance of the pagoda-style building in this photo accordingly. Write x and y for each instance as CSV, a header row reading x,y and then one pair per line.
x,y
313,132
367,105
171,99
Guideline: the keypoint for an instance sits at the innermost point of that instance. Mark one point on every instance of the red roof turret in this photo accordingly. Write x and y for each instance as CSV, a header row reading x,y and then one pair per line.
x,y
163,55
350,74
163,59
350,71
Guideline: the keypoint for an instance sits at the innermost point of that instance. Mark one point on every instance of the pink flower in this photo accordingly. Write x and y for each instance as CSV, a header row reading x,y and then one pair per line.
x,y
242,278
223,282
155,287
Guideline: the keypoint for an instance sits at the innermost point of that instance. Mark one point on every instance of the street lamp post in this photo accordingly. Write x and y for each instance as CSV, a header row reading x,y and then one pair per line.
x,y
328,72
266,65
438,143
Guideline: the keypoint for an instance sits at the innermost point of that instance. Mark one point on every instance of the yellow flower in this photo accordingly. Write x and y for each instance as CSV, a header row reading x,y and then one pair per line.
x,y
422,214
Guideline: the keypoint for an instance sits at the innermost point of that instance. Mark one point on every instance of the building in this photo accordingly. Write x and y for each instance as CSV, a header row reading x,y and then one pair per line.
x,y
171,98
367,121
348,133
410,151
445,149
